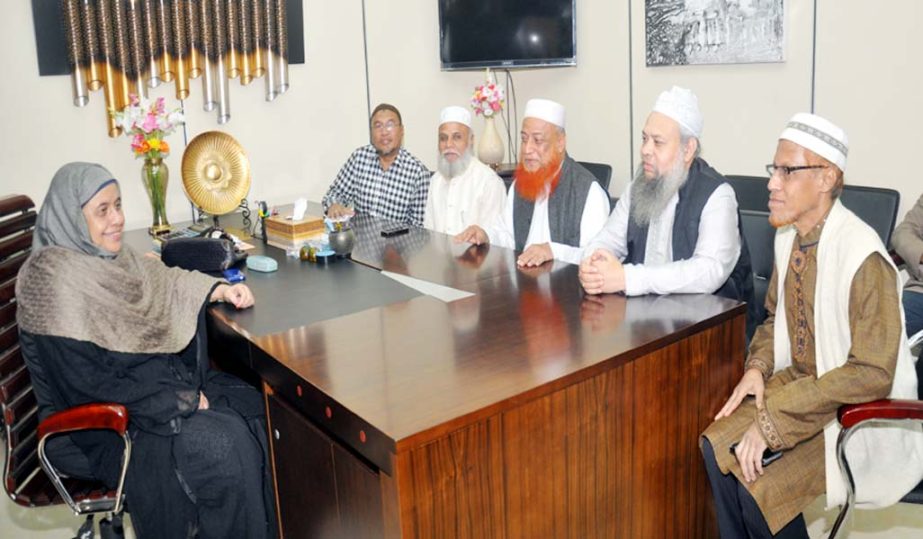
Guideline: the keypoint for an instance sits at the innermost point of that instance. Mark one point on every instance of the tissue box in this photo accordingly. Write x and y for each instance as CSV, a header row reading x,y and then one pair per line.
x,y
289,233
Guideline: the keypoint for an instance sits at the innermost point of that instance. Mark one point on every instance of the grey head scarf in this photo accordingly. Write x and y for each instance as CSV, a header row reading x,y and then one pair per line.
x,y
123,302
60,221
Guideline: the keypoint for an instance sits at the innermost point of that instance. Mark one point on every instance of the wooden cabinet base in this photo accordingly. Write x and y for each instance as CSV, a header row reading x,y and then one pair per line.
x,y
614,454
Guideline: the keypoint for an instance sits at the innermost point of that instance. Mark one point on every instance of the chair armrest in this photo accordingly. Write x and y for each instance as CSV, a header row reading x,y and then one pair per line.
x,y
851,414
87,416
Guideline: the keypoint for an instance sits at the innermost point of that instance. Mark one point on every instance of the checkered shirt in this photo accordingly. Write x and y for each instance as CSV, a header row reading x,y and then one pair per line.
x,y
398,194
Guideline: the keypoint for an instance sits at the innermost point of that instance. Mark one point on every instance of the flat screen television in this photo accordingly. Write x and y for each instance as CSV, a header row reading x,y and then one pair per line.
x,y
506,33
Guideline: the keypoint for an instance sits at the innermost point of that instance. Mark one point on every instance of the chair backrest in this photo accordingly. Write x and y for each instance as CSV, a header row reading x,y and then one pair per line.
x,y
876,206
601,171
20,409
752,192
760,237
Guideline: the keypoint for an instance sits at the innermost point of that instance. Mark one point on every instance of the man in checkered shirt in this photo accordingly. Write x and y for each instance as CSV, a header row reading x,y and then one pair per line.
x,y
382,178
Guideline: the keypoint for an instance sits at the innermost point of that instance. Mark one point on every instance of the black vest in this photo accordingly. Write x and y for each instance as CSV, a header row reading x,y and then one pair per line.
x,y
702,182
565,207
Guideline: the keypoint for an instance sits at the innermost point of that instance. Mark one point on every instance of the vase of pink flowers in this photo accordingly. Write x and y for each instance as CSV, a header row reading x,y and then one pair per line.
x,y
487,101
147,123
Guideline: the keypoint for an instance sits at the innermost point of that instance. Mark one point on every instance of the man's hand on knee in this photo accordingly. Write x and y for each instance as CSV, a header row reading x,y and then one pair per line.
x,y
751,383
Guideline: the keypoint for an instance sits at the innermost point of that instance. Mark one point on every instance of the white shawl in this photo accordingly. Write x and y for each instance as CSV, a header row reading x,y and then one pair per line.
x,y
886,462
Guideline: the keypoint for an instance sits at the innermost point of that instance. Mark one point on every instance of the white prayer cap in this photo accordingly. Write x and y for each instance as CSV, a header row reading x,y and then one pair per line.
x,y
454,113
547,110
818,135
681,105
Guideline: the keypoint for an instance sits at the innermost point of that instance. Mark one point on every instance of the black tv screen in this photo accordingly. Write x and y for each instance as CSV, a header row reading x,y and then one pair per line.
x,y
506,33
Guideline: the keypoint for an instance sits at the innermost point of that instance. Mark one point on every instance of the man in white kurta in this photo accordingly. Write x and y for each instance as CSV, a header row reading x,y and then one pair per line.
x,y
675,228
555,206
463,191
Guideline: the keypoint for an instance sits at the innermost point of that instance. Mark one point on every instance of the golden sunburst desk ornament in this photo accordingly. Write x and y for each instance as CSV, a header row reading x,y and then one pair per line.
x,y
216,175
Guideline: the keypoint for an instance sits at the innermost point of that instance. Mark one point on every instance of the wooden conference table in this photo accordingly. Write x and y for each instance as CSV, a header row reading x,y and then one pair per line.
x,y
524,410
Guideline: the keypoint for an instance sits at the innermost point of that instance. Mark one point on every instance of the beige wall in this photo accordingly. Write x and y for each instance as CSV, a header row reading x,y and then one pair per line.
x,y
867,79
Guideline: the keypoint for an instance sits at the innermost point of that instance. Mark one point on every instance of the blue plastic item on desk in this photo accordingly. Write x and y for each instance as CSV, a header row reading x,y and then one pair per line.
x,y
262,263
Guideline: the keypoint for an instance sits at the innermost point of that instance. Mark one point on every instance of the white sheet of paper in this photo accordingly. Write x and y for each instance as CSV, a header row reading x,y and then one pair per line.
x,y
438,291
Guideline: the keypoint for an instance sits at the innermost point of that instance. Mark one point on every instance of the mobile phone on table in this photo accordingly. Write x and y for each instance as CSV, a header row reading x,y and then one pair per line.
x,y
233,275
769,456
394,230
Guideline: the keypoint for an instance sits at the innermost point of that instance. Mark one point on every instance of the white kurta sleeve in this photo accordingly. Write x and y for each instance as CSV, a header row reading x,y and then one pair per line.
x,y
613,236
429,214
500,232
490,202
716,253
595,213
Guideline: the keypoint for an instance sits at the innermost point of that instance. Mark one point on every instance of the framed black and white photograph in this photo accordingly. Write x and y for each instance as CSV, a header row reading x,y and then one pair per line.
x,y
689,32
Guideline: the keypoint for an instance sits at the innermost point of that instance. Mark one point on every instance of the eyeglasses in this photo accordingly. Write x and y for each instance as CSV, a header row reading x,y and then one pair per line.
x,y
387,126
786,171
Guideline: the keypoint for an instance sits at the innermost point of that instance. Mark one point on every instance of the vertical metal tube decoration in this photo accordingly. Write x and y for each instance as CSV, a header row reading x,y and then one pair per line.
x,y
245,10
207,34
282,45
258,11
269,36
194,36
165,45
95,66
120,43
232,19
152,47
221,51
76,53
137,56
109,74
180,47
125,46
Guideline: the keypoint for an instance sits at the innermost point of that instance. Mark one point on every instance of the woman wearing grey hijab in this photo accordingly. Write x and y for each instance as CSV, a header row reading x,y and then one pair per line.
x,y
100,323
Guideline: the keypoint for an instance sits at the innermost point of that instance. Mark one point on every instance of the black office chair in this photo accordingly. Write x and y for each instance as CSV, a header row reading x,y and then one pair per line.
x,y
760,236
752,192
601,171
876,206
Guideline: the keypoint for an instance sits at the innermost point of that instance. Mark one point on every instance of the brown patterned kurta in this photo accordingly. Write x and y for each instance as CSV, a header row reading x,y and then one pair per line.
x,y
798,404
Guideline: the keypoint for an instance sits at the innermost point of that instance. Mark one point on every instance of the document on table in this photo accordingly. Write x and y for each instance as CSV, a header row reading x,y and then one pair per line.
x,y
438,291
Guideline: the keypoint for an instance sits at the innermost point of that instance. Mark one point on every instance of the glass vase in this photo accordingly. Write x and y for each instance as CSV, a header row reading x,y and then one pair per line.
x,y
155,176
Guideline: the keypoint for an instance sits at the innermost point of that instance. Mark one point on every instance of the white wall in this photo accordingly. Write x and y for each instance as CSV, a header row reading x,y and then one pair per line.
x,y
867,78
870,81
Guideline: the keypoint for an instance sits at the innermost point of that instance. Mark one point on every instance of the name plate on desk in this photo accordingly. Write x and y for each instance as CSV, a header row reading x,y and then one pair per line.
x,y
291,233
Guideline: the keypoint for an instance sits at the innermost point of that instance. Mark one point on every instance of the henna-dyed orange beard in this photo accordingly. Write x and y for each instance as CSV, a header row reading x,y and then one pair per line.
x,y
529,185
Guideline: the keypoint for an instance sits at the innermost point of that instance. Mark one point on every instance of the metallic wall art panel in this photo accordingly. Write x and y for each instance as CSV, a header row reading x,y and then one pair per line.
x,y
124,47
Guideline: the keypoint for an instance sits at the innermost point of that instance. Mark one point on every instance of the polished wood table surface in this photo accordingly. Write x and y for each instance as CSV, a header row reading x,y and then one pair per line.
x,y
525,410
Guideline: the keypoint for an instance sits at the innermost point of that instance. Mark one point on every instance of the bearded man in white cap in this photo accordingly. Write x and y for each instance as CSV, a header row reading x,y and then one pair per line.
x,y
675,229
463,191
555,206
834,336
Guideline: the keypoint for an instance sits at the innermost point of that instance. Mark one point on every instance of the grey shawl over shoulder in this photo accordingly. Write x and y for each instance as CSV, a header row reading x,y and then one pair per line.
x,y
129,303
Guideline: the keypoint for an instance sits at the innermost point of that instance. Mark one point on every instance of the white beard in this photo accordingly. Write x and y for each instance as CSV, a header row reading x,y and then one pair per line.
x,y
451,169
650,197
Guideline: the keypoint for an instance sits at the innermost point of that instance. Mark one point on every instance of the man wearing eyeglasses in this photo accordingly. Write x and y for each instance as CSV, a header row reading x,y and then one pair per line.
x,y
833,336
381,178
676,228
